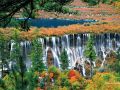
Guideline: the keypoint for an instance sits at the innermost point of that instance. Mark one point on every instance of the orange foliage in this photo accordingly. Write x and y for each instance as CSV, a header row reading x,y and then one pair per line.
x,y
38,88
101,28
74,76
71,29
73,79
71,74
89,81
51,75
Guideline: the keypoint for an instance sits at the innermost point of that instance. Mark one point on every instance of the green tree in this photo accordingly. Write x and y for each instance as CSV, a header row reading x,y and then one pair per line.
x,y
32,80
4,53
18,68
90,53
36,56
37,64
64,60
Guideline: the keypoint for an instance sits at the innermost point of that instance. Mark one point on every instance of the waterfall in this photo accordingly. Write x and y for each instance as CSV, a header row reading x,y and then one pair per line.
x,y
74,44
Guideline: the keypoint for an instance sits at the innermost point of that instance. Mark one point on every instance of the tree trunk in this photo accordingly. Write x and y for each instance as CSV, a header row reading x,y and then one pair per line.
x,y
2,71
91,69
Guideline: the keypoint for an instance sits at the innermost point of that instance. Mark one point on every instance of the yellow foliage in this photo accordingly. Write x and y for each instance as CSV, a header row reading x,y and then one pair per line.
x,y
43,74
103,81
64,88
117,6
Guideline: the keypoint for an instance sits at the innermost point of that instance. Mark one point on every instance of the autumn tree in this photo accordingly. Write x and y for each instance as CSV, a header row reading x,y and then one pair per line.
x,y
90,53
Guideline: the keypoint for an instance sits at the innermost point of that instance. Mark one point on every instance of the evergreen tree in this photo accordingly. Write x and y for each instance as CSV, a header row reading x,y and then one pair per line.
x,y
4,54
64,60
36,56
18,68
90,53
37,64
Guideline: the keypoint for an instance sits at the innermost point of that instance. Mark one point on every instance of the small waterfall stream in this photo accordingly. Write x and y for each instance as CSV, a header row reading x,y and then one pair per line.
x,y
74,44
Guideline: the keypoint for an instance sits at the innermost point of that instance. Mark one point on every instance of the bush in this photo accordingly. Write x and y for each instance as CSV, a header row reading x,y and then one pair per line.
x,y
74,77
50,6
76,86
91,2
65,10
106,77
32,79
9,82
103,81
2,85
117,4
64,88
55,71
117,75
65,82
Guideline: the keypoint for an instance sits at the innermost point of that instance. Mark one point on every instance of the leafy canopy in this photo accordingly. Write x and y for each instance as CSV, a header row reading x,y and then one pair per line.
x,y
8,8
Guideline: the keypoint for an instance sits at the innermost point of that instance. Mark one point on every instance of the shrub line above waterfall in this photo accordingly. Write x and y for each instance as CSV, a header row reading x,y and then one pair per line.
x,y
71,29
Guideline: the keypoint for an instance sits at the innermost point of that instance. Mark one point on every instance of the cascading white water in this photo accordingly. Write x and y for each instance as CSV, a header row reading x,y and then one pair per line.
x,y
74,45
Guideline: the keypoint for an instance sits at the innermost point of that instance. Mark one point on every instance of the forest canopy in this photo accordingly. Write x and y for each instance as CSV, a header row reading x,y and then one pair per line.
x,y
8,8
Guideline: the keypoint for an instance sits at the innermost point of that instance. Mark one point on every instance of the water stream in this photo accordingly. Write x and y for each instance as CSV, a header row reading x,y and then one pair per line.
x,y
74,45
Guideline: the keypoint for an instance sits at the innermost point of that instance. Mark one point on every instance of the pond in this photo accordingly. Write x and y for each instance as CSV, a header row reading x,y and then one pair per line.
x,y
53,22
